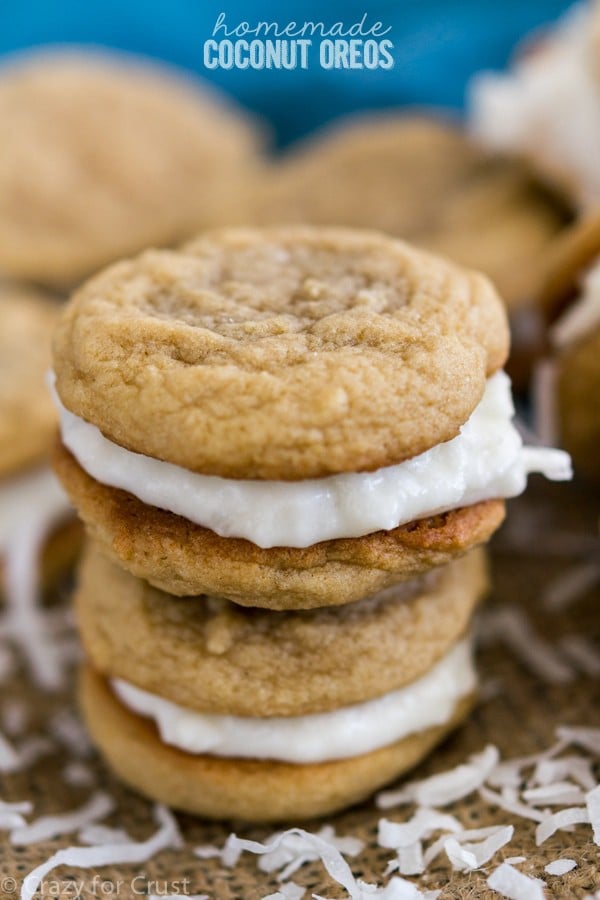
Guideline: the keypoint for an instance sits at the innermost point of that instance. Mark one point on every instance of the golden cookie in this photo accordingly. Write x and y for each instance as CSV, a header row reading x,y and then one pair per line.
x,y
578,396
102,155
215,657
257,791
426,181
185,559
284,353
571,254
27,417
578,363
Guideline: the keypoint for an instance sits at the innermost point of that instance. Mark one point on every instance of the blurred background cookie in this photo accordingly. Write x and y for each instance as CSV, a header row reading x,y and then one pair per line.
x,y
103,155
568,389
421,179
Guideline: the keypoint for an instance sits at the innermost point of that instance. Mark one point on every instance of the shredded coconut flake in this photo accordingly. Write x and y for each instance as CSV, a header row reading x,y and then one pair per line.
x,y
574,815
447,787
330,856
592,801
78,774
14,717
570,586
579,769
511,626
97,807
288,891
67,729
393,835
396,889
179,897
587,738
167,837
96,835
33,748
473,834
468,856
11,814
509,802
516,885
559,793
560,866
582,653
10,761
288,850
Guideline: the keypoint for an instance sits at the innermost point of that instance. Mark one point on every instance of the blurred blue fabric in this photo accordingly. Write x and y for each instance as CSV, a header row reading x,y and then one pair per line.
x,y
438,45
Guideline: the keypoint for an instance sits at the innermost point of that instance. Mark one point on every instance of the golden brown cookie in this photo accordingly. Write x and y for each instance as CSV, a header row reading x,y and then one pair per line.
x,y
578,395
213,656
578,363
103,155
424,180
184,559
571,254
257,791
27,417
284,353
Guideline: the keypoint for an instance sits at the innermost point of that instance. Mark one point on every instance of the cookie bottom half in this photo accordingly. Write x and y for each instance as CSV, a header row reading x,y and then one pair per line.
x,y
182,558
251,790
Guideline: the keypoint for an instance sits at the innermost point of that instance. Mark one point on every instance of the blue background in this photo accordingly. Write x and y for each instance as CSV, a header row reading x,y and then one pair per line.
x,y
438,44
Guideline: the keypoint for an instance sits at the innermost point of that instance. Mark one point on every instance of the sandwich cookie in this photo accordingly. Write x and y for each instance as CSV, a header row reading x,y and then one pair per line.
x,y
270,715
104,155
424,180
36,522
568,384
285,388
251,662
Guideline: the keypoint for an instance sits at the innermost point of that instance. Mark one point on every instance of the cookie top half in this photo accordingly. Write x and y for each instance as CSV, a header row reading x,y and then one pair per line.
x,y
103,155
281,353
27,417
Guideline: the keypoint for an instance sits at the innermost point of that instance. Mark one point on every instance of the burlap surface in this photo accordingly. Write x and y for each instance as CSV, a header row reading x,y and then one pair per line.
x,y
548,531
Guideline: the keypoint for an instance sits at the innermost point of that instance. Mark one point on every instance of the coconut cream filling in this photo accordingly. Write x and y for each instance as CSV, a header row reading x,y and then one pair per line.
x,y
582,317
486,459
350,731
548,105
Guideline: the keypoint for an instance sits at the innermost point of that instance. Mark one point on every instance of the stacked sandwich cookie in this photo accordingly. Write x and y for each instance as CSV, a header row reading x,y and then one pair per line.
x,y
288,446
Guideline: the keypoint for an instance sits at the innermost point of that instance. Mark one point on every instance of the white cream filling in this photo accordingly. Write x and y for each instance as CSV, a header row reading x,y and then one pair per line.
x,y
548,105
349,731
582,317
486,459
